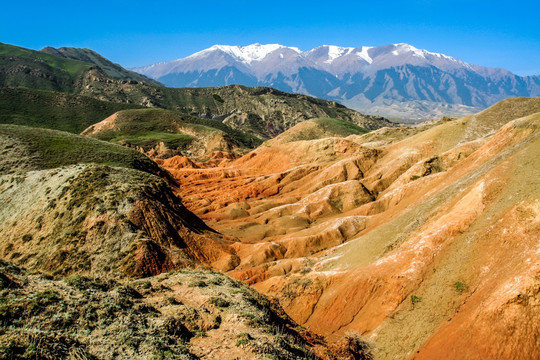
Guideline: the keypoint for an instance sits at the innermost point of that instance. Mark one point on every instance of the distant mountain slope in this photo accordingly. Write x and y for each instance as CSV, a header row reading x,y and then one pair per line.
x,y
264,112
89,56
20,67
396,80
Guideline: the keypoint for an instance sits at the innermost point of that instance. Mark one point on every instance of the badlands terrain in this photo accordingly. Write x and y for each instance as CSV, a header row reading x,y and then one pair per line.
x,y
144,222
424,239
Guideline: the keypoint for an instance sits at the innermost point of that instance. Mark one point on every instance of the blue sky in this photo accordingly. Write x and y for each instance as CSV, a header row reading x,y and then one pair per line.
x,y
492,33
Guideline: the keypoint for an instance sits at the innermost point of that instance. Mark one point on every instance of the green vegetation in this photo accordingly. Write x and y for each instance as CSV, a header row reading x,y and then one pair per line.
x,y
50,149
147,127
320,128
115,71
218,98
198,283
219,302
243,339
56,323
339,127
460,286
22,67
149,140
72,67
54,110
415,300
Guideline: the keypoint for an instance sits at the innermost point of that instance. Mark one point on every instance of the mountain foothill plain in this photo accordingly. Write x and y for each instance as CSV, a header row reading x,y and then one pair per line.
x,y
235,204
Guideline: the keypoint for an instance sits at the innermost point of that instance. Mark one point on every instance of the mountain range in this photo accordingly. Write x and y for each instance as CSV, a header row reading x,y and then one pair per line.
x,y
396,80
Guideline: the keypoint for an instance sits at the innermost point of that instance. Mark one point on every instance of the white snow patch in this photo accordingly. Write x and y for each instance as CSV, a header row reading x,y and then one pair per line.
x,y
363,54
335,52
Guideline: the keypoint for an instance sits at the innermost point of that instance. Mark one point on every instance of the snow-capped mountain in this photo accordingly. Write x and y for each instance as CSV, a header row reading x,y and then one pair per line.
x,y
396,80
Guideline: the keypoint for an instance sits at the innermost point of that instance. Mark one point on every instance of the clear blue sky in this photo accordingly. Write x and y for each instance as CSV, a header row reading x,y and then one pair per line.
x,y
492,33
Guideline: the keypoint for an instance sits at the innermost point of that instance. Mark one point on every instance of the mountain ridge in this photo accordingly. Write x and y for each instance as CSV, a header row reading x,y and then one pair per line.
x,y
369,79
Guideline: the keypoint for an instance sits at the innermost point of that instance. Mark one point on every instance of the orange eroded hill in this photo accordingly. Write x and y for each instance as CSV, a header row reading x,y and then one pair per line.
x,y
423,240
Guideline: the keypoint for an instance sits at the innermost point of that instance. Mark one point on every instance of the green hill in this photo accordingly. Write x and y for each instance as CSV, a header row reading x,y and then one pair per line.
x,y
115,71
318,129
37,149
20,67
147,127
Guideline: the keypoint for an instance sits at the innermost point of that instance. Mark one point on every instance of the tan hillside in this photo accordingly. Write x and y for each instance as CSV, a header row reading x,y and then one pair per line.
x,y
424,242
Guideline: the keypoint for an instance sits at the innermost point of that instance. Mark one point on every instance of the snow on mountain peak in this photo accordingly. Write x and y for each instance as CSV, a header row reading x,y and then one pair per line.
x,y
335,52
403,48
363,54
246,54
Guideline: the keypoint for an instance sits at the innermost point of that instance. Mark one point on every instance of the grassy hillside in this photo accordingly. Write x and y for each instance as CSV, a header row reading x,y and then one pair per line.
x,y
261,111
20,67
54,110
339,127
318,129
146,128
115,71
45,149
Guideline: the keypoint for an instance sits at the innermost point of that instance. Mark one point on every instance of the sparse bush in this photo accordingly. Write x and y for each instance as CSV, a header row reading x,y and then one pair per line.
x,y
243,339
219,302
358,347
199,283
415,299
218,98
460,286
172,301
